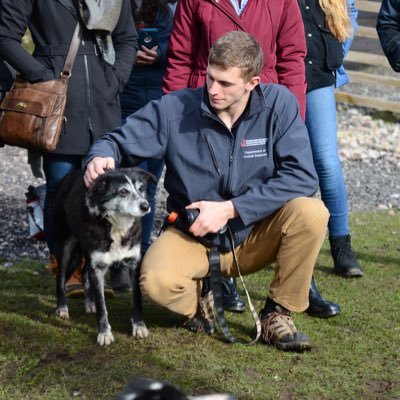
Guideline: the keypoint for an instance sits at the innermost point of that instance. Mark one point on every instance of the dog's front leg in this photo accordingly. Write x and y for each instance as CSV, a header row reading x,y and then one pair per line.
x,y
96,278
139,329
62,308
90,305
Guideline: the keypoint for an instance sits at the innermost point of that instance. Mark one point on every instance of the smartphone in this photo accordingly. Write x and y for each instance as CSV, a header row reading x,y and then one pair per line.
x,y
148,37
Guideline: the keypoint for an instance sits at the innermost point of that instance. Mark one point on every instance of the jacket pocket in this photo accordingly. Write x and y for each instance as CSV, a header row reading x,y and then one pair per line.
x,y
213,154
112,82
334,50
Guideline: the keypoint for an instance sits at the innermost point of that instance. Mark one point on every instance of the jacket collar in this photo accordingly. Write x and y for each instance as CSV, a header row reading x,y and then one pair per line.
x,y
227,8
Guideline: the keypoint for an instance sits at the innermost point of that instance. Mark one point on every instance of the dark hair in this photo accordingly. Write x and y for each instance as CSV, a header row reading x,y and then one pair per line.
x,y
148,12
237,49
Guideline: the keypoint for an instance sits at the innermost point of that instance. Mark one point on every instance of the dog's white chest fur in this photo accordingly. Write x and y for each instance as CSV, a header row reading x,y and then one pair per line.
x,y
117,251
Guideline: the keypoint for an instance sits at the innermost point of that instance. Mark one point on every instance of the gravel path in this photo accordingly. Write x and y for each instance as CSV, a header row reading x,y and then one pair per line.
x,y
369,150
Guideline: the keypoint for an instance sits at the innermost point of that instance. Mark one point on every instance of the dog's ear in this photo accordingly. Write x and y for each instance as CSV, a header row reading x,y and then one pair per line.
x,y
98,188
100,185
94,194
136,173
145,175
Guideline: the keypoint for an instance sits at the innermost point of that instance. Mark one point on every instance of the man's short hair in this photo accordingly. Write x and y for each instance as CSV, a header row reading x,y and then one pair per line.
x,y
237,49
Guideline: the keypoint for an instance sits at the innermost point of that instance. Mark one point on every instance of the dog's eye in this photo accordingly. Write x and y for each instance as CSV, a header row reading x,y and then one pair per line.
x,y
123,193
140,188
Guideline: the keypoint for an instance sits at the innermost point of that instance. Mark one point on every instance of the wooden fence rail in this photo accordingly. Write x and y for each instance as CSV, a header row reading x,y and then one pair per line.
x,y
369,59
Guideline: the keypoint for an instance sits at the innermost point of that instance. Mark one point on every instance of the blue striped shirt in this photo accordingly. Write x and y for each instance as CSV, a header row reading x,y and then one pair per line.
x,y
239,5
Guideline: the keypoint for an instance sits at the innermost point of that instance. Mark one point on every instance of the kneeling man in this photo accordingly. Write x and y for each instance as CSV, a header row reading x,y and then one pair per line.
x,y
238,151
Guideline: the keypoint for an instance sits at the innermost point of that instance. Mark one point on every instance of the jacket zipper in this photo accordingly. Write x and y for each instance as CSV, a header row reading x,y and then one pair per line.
x,y
213,155
88,95
228,185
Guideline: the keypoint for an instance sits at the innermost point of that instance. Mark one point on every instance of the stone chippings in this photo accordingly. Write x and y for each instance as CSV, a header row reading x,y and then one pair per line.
x,y
370,152
369,149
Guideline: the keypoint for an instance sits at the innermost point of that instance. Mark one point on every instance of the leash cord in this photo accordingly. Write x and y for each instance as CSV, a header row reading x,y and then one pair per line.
x,y
216,288
251,306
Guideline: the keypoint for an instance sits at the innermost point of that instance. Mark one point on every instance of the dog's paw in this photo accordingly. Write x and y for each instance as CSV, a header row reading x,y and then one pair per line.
x,y
105,338
139,330
62,312
90,307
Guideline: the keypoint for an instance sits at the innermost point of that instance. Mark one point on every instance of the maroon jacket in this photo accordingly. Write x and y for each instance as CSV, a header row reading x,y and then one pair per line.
x,y
276,24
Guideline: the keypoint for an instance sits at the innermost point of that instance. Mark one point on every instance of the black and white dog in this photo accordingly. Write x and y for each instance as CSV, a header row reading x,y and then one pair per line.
x,y
150,389
103,225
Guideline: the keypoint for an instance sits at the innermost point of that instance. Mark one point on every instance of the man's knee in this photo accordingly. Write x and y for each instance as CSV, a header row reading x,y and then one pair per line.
x,y
311,213
153,282
160,283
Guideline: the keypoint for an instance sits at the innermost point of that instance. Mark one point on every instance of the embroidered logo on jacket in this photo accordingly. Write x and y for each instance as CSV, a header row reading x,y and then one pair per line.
x,y
254,148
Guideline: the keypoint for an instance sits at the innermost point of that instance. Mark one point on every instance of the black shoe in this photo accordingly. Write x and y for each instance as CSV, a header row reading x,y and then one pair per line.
x,y
120,279
344,259
230,297
318,306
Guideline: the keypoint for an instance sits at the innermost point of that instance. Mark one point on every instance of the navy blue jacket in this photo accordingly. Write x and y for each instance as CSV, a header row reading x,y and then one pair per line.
x,y
388,27
6,77
145,82
260,164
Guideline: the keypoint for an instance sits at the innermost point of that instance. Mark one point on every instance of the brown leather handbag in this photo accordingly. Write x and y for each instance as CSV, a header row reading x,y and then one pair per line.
x,y
32,114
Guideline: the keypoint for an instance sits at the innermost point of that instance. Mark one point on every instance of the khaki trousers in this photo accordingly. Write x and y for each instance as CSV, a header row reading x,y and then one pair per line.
x,y
175,263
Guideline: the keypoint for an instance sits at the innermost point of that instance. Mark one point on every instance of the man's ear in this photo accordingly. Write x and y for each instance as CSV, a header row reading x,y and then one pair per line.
x,y
252,83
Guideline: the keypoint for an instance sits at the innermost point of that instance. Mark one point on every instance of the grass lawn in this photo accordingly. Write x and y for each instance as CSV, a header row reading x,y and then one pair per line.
x,y
356,355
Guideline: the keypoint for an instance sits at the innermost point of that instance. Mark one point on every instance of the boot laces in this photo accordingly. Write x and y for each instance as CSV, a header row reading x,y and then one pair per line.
x,y
277,325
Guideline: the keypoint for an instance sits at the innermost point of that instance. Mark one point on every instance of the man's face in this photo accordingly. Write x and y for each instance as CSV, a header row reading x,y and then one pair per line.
x,y
226,88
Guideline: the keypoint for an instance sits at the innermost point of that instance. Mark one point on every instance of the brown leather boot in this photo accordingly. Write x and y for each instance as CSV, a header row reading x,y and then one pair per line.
x,y
52,265
74,287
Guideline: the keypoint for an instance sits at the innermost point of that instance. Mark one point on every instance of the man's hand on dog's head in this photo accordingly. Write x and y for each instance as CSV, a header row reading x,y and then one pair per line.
x,y
96,167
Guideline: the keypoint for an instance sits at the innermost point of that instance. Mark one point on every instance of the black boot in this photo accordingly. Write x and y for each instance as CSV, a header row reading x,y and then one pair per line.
x,y
230,296
318,306
344,259
120,279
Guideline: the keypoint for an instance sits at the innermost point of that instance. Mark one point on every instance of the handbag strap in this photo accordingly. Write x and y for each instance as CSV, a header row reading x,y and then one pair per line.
x,y
72,51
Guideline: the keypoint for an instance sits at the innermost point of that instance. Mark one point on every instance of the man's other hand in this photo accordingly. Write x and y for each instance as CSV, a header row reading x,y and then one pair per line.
x,y
96,167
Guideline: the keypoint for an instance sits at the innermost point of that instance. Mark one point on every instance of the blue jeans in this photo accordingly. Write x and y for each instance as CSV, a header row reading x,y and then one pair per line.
x,y
322,129
55,167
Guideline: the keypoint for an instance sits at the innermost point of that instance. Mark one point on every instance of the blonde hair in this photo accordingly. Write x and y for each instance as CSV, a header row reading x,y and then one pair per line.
x,y
337,18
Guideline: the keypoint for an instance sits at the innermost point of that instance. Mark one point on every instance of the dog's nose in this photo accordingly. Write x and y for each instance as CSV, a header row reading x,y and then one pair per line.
x,y
145,206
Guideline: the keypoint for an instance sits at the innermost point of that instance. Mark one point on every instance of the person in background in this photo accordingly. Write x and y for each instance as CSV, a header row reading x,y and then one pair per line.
x,y
144,85
239,152
388,28
329,27
278,27
101,69
6,81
